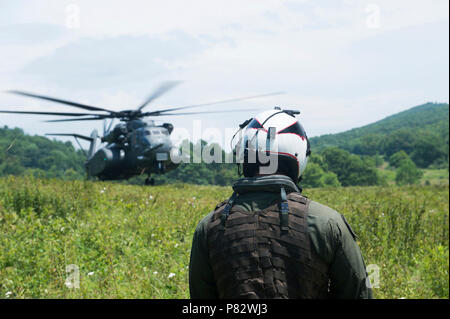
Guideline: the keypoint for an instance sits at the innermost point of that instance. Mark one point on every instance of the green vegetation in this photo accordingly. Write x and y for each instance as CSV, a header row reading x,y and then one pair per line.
x,y
133,241
435,176
422,132
336,167
21,154
407,173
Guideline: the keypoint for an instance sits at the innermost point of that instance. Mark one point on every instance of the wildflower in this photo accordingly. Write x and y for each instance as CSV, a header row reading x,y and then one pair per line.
x,y
8,293
150,197
176,245
171,275
155,272
90,273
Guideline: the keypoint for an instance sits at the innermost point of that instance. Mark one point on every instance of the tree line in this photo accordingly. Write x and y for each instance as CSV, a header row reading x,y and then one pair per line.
x,y
21,154
353,162
421,132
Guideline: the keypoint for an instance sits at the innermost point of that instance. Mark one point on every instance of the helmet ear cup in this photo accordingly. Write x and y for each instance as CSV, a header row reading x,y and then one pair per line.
x,y
308,147
288,166
249,169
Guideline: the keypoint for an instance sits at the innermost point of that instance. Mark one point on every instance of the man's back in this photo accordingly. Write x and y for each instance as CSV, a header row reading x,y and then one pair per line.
x,y
247,253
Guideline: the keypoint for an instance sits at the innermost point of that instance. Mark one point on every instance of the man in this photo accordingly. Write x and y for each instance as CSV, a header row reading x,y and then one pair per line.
x,y
267,240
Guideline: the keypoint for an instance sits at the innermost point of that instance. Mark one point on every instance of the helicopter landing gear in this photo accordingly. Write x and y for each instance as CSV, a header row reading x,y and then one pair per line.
x,y
149,181
161,167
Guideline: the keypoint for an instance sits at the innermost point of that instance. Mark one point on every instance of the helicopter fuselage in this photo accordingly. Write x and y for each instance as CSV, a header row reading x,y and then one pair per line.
x,y
134,148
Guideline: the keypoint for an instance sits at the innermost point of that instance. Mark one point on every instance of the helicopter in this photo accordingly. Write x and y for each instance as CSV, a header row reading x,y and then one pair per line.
x,y
136,145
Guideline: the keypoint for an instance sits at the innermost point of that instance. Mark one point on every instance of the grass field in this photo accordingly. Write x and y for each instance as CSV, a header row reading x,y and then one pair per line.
x,y
134,241
429,177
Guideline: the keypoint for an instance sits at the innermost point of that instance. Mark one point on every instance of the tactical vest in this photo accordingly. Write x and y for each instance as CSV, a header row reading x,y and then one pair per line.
x,y
267,253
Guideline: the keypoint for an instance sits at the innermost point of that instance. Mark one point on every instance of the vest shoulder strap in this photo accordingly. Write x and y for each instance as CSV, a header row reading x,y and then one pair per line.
x,y
297,197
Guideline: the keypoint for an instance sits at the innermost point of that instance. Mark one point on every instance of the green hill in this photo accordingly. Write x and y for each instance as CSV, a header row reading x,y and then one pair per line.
x,y
422,132
22,154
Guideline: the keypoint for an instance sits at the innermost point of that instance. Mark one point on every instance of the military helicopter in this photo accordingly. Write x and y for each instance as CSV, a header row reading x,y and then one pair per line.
x,y
133,147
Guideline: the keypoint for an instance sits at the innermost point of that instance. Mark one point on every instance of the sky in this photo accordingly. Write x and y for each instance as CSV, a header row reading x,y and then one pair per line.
x,y
342,63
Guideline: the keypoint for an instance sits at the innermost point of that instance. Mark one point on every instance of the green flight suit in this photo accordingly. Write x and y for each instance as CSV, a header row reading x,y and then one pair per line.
x,y
331,239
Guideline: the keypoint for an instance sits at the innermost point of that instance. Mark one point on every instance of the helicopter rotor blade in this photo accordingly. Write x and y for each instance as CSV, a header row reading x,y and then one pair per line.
x,y
156,113
49,113
163,88
209,112
110,125
74,135
75,104
78,119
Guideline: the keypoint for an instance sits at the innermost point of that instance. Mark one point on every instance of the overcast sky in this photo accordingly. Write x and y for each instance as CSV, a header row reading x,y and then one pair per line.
x,y
343,64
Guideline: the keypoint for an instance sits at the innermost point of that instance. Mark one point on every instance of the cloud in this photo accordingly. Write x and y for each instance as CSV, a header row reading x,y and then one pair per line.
x,y
30,34
113,61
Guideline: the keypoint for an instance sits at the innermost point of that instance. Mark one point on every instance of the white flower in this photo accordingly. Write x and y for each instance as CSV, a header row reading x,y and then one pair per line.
x,y
155,272
62,228
176,245
90,273
8,293
150,197
171,275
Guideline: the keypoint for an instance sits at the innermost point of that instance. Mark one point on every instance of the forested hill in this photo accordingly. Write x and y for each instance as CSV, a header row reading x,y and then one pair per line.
x,y
422,132
22,154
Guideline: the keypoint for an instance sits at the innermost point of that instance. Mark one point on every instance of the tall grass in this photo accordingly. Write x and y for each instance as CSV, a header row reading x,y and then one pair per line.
x,y
134,241
402,230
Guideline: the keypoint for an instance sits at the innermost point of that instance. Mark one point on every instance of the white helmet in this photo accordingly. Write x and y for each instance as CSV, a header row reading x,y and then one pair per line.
x,y
274,134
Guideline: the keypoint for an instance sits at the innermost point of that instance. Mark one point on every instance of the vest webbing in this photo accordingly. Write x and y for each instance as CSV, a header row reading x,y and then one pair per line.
x,y
264,254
